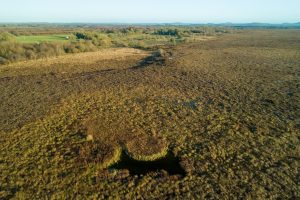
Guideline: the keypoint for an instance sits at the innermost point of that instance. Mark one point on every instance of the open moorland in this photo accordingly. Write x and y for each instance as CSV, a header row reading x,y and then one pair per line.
x,y
210,118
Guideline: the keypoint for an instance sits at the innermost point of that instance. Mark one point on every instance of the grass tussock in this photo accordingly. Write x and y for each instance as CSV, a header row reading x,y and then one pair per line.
x,y
101,154
147,148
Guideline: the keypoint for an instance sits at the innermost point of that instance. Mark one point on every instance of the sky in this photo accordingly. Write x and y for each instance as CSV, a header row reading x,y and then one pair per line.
x,y
150,11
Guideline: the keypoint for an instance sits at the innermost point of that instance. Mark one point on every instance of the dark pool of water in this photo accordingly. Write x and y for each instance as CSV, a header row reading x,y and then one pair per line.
x,y
169,163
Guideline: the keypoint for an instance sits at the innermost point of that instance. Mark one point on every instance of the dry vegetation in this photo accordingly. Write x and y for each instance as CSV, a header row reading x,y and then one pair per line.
x,y
227,108
104,59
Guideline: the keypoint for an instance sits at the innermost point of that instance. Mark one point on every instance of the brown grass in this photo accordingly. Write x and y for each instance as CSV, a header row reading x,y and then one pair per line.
x,y
72,63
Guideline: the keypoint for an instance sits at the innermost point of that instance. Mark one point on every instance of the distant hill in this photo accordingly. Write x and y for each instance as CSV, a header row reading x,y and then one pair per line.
x,y
253,25
237,25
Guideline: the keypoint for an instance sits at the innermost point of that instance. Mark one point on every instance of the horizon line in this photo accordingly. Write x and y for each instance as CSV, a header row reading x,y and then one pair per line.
x,y
116,22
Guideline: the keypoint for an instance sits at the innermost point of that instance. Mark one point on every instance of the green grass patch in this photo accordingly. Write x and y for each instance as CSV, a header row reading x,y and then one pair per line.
x,y
42,38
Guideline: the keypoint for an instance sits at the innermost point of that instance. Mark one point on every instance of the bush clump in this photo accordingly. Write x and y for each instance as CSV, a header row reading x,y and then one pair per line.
x,y
7,37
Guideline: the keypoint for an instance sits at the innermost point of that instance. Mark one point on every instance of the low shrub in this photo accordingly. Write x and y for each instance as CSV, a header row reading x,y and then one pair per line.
x,y
3,61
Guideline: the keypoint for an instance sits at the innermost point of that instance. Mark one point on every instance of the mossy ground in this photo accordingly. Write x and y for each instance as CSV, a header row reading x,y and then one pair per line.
x,y
228,109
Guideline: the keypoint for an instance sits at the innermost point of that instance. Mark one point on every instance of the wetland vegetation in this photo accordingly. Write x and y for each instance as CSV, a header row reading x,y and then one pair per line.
x,y
150,113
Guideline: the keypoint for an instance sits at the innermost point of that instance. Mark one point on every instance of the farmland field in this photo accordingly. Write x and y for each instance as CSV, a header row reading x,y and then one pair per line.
x,y
41,38
217,118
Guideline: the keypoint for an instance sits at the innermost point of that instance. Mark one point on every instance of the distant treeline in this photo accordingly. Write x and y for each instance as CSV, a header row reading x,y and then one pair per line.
x,y
83,40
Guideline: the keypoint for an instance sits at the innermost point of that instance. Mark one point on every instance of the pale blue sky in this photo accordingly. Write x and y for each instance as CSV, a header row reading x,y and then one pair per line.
x,y
134,11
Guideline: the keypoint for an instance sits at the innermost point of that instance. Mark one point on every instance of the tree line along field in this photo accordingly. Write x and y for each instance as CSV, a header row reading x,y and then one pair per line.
x,y
222,113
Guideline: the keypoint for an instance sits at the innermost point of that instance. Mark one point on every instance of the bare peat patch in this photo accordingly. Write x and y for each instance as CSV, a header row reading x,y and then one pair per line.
x,y
169,163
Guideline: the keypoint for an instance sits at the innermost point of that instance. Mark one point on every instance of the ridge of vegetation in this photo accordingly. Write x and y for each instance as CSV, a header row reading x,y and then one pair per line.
x,y
15,47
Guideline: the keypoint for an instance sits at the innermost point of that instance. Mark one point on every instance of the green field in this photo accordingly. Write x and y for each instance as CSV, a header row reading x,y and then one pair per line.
x,y
41,38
